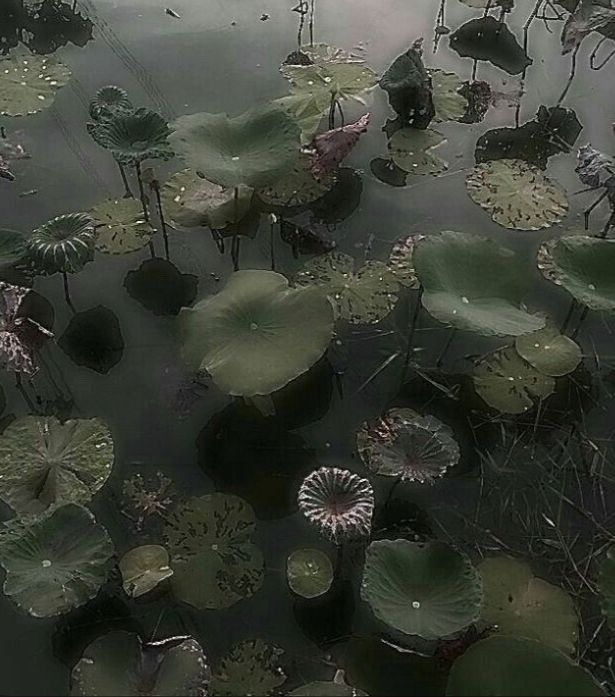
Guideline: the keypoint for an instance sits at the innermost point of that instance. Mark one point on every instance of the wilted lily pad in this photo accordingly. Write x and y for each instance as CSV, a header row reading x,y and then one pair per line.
x,y
363,297
519,604
298,186
449,102
45,462
309,572
429,590
28,83
401,260
121,227
606,586
549,351
63,244
412,150
252,667
119,664
215,564
143,568
58,562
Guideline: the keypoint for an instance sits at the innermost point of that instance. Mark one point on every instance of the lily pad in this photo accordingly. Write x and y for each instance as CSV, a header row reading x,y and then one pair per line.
x,y
252,667
519,604
58,562
120,226
430,590
517,195
449,102
109,100
401,260
94,339
255,148
215,564
257,334
328,688
12,247
488,302
363,297
44,462
297,187
606,586
64,244
143,568
506,666
119,664
307,111
309,572
549,351
28,83
412,150
509,384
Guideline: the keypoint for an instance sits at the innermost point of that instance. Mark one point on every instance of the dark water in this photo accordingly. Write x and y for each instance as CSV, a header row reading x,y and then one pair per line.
x,y
220,57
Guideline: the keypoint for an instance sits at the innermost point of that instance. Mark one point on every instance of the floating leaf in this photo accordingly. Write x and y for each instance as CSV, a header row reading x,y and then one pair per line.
x,y
307,110
606,586
108,101
429,590
549,351
143,568
586,18
412,150
298,186
251,668
44,462
595,169
509,384
334,688
28,83
401,260
364,297
121,227
330,148
449,102
58,562
517,195
215,564
519,604
64,244
309,572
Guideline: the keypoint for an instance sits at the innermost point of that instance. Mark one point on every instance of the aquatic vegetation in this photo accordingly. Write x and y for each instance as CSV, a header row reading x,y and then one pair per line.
x,y
586,18
448,98
108,101
252,667
120,226
309,572
401,260
550,352
28,84
64,244
94,339
333,688
330,148
146,497
161,287
412,150
298,186
143,568
606,586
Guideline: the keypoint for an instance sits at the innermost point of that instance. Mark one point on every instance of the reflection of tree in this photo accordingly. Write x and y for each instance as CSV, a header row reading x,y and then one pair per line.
x,y
42,25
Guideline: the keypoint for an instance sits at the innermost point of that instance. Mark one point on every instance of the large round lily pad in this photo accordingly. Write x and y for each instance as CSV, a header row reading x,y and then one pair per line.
x,y
254,149
430,590
120,226
257,334
64,244
143,568
309,572
519,604
549,351
45,462
119,664
57,563
215,563
28,83
455,293
412,150
517,195
509,666
252,667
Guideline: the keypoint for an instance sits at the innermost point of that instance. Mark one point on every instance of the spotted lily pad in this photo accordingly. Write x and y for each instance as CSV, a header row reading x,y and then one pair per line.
x,y
252,667
64,244
309,572
401,260
606,586
517,195
28,83
120,226
520,604
488,302
143,568
549,351
215,563
45,462
509,384
57,563
362,297
119,663
412,150
449,102
298,186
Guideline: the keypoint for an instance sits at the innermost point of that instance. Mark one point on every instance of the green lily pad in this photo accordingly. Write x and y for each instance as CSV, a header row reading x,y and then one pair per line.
x,y
297,187
517,195
109,100
401,260
454,293
252,667
430,590
412,149
121,227
120,664
191,201
255,148
215,563
606,586
508,666
64,244
363,297
309,572
549,351
12,247
306,110
29,83
584,267
143,568
450,105
59,562
44,462
518,603
328,688
257,334
509,384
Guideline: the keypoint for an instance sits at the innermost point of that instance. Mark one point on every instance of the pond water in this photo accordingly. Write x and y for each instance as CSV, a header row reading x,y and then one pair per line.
x,y
536,486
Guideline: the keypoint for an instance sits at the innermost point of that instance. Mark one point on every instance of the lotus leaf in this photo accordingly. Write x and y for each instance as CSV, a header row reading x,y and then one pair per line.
x,y
108,101
606,586
119,664
519,604
252,667
121,227
449,102
44,462
430,590
412,150
215,564
161,287
363,297
307,111
509,384
298,186
143,568
401,260
59,562
549,352
334,688
454,293
586,18
94,339
64,244
257,334
517,195
505,666
28,84
309,572
255,148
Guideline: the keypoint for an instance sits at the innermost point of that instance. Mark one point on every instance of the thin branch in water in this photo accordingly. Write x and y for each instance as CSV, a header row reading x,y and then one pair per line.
x,y
156,187
413,323
142,191
573,70
127,191
69,302
592,59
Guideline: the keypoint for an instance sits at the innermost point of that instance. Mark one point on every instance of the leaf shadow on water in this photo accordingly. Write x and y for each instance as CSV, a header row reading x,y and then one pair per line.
x,y
160,287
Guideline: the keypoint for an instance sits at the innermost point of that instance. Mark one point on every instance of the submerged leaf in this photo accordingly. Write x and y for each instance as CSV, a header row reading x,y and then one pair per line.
x,y
28,83
251,668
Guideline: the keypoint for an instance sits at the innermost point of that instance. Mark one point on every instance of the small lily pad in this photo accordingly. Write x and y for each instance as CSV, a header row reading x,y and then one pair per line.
x,y
29,83
412,150
549,351
449,102
309,572
251,668
143,568
120,226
